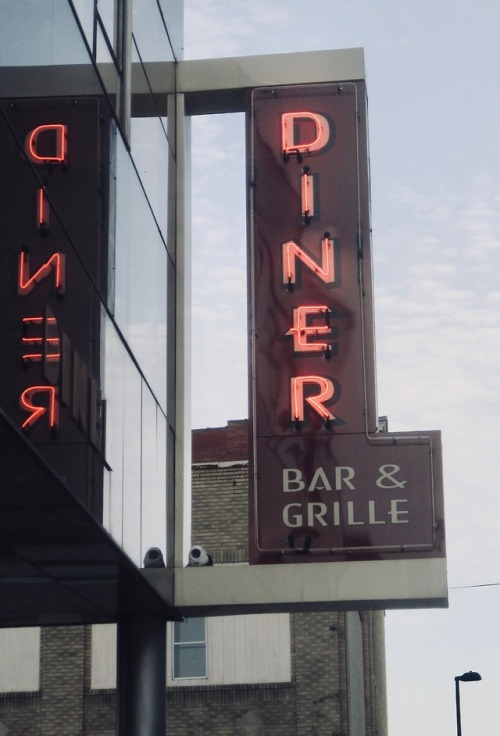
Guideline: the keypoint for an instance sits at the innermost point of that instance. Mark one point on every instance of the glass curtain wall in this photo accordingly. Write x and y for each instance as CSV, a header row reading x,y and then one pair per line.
x,y
89,48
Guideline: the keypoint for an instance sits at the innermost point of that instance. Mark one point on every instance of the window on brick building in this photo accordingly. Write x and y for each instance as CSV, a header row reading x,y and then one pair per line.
x,y
189,649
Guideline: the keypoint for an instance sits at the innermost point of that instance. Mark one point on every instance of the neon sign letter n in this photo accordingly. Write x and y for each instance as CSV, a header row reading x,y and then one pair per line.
x,y
27,283
325,270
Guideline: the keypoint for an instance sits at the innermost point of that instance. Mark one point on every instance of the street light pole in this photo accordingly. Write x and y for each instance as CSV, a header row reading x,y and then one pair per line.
x,y
466,677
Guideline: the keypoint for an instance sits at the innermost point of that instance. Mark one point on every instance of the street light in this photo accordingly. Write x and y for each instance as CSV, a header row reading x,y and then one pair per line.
x,y
466,677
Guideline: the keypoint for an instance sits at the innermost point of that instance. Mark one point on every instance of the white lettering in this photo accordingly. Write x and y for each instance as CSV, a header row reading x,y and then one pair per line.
x,y
319,477
336,513
316,511
350,515
292,520
292,480
372,515
344,474
396,512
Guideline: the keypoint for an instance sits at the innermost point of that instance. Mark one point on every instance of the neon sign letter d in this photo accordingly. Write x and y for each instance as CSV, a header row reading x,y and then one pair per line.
x,y
47,144
303,132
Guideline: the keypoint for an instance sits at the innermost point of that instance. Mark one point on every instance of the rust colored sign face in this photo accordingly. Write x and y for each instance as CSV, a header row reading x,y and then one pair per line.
x,y
311,337
311,301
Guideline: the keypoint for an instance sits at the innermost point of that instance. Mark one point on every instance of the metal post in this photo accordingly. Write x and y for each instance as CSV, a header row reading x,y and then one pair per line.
x,y
466,677
457,701
141,690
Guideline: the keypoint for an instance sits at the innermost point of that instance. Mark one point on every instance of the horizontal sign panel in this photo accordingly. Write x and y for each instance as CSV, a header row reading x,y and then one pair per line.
x,y
348,497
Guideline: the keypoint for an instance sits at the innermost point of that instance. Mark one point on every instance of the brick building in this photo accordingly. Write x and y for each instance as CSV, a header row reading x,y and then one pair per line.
x,y
316,674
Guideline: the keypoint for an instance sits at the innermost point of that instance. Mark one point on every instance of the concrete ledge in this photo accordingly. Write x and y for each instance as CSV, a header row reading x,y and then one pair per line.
x,y
210,85
378,584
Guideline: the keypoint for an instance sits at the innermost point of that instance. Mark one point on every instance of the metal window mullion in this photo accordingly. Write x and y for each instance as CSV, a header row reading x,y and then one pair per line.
x,y
124,54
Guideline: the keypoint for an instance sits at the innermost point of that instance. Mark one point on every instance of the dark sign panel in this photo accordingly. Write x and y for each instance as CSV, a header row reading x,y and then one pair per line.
x,y
53,231
350,497
310,262
311,344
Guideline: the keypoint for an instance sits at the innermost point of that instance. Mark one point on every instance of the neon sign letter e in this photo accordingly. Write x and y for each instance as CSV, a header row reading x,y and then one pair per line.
x,y
301,331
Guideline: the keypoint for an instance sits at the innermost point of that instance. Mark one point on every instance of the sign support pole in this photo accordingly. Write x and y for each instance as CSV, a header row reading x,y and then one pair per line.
x,y
141,667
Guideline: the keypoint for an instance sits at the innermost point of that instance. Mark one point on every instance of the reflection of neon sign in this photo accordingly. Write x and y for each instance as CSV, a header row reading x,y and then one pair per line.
x,y
55,202
41,346
37,411
42,204
26,283
66,377
47,144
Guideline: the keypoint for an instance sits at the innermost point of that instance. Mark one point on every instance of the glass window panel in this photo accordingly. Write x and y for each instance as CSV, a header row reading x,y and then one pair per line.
x,y
107,68
135,499
189,648
132,488
40,33
107,13
149,32
190,661
173,12
85,12
150,152
140,277
113,391
154,494
190,630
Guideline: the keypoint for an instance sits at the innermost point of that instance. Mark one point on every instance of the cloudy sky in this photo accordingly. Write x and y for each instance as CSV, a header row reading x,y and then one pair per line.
x,y
432,75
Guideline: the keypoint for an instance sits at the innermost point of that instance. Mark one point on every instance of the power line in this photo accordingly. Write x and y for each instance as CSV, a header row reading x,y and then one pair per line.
x,y
479,585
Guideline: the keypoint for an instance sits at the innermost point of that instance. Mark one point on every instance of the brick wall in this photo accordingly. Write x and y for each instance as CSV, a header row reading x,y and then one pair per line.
x,y
20,714
238,710
220,510
375,673
62,680
318,655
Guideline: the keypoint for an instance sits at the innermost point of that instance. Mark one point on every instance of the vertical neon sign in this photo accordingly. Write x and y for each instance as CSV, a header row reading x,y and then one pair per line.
x,y
54,195
311,344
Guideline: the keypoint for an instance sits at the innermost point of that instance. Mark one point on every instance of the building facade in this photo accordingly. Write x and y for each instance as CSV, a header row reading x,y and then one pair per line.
x,y
317,673
86,348
90,281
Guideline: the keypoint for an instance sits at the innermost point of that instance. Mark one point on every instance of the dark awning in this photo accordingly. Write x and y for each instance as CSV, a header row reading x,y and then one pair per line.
x,y
58,565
